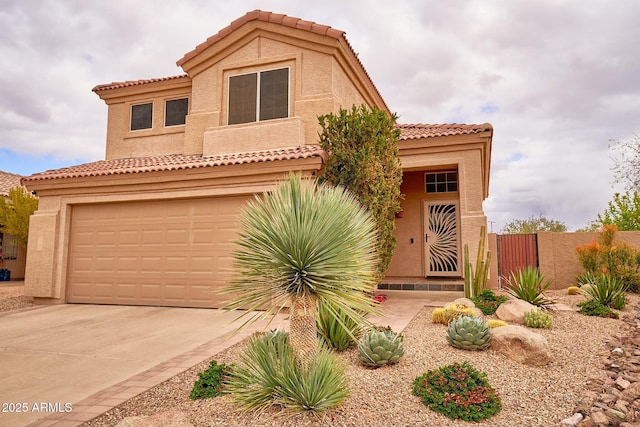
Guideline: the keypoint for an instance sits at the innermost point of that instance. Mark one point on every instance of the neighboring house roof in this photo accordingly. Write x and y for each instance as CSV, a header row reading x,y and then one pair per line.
x,y
175,162
419,130
8,181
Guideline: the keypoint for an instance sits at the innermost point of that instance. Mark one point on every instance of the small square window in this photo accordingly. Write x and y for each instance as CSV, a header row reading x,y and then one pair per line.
x,y
441,182
141,116
176,111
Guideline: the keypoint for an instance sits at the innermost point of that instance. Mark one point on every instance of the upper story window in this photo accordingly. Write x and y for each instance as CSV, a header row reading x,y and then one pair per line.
x,y
259,96
175,111
142,116
441,182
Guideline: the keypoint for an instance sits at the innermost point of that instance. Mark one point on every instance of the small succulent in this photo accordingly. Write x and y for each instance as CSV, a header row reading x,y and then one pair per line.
x,y
538,318
495,323
469,333
573,290
438,316
380,347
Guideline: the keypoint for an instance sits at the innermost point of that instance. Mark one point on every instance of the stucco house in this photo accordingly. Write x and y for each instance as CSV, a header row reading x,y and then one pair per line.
x,y
154,223
12,256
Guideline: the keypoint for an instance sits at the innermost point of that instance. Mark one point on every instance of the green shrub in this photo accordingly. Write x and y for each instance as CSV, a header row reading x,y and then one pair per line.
x,y
210,381
537,318
488,302
594,308
528,284
269,374
607,290
336,331
458,391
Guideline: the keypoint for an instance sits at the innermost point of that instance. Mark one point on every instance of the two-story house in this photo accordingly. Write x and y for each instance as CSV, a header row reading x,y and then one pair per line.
x,y
154,223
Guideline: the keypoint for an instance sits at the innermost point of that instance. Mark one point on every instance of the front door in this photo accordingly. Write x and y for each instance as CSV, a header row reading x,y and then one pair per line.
x,y
442,238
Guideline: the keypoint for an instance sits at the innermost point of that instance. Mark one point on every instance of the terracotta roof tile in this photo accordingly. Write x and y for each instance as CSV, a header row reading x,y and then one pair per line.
x,y
117,85
175,162
419,130
8,181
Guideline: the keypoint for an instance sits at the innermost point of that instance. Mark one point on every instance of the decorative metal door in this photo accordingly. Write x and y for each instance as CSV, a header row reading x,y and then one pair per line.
x,y
441,239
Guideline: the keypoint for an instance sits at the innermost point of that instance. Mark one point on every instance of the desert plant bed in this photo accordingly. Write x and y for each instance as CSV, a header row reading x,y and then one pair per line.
x,y
383,396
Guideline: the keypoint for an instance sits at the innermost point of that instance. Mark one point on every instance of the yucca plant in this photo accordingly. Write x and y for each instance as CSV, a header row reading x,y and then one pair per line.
x,y
606,290
301,244
268,373
528,284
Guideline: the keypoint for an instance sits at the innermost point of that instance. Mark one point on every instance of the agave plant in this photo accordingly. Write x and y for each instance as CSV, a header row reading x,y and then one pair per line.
x,y
302,243
606,290
469,333
528,284
380,347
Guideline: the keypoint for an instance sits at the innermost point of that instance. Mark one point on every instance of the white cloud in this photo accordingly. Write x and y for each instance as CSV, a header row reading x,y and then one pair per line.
x,y
557,79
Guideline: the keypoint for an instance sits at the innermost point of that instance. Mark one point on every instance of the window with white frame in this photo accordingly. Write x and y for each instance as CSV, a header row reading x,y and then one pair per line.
x,y
441,182
142,116
259,96
175,111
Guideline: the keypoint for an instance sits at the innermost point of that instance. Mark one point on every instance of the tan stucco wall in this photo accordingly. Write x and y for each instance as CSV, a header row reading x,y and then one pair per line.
x,y
557,257
467,159
320,82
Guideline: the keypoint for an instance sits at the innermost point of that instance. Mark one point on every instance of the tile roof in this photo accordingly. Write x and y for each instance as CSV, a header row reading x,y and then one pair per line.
x,y
419,130
117,85
8,181
175,162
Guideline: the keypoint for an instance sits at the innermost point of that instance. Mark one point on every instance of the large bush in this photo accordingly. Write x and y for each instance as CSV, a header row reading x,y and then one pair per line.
x,y
364,157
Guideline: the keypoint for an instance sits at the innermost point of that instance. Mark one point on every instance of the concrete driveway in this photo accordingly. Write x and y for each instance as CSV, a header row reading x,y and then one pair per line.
x,y
53,357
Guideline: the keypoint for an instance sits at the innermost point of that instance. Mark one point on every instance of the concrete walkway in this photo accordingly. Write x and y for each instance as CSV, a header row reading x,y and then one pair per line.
x,y
71,363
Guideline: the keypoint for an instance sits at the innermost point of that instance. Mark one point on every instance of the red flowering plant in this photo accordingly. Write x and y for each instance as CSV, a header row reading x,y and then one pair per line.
x,y
605,256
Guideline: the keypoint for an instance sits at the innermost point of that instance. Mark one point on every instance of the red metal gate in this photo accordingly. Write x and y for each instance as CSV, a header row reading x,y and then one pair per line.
x,y
516,251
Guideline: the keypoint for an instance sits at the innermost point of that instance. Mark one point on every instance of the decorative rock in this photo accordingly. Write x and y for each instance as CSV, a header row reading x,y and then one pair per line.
x,y
167,418
513,310
573,420
600,418
477,312
617,351
631,393
465,301
521,345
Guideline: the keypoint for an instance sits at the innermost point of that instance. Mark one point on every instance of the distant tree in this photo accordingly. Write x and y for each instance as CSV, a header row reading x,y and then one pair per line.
x,y
626,167
15,211
533,225
591,226
363,156
623,211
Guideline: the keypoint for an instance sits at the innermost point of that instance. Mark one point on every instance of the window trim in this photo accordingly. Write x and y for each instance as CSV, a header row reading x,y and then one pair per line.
x,y
131,116
165,111
446,182
258,73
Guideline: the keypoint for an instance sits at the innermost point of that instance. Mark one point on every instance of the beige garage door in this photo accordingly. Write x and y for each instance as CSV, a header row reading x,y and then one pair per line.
x,y
169,253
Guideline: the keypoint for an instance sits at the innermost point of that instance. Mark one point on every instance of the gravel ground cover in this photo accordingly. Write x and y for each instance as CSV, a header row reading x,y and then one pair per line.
x,y
531,396
12,297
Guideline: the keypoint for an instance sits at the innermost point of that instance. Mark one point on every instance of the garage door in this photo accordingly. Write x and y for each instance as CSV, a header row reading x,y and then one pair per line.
x,y
168,253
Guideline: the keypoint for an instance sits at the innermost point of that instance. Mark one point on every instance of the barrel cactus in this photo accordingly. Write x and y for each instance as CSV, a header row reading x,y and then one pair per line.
x,y
495,323
469,333
380,347
438,316
573,290
453,311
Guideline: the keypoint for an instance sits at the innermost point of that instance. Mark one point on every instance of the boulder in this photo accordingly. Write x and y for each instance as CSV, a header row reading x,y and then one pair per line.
x,y
521,345
513,310
465,301
167,418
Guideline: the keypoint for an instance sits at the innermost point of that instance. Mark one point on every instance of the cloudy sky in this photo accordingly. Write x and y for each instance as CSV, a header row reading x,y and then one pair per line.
x,y
557,79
